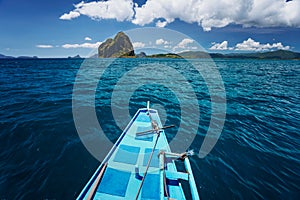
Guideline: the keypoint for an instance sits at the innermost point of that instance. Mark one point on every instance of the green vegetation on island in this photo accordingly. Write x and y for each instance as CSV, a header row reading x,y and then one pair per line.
x,y
167,55
279,55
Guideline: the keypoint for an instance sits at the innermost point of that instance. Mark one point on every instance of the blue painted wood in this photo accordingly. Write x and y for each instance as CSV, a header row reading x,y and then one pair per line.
x,y
114,182
177,175
155,160
192,183
129,155
151,187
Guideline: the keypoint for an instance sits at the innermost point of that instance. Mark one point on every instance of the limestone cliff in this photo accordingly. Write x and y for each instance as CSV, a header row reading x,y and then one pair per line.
x,y
120,46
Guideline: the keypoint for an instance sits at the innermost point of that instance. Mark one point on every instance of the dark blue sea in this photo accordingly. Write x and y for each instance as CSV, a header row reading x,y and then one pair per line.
x,y
256,157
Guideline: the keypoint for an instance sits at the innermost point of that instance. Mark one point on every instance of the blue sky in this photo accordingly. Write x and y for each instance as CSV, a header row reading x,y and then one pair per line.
x,y
61,28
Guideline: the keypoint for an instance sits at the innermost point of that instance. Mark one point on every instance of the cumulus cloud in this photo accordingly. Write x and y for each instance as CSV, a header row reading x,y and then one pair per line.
x,y
220,46
44,46
249,45
84,45
87,38
70,15
184,44
156,9
206,13
220,13
161,42
121,10
161,24
138,44
167,46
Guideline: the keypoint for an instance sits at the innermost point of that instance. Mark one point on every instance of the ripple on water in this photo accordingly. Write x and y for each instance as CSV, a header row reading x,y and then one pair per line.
x,y
256,157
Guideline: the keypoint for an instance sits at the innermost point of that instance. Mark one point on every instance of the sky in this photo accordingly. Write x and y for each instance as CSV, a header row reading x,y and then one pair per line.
x,y
61,28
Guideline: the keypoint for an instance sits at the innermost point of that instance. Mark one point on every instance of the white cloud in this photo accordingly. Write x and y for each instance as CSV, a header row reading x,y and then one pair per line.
x,y
44,46
70,15
156,9
84,45
249,45
206,13
161,42
220,13
120,10
138,44
87,38
161,24
184,44
220,46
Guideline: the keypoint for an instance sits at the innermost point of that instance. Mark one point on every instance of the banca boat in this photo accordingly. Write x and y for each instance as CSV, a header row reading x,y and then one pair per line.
x,y
141,165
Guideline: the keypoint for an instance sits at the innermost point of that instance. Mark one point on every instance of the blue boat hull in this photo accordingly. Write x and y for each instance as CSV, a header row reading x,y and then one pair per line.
x,y
136,167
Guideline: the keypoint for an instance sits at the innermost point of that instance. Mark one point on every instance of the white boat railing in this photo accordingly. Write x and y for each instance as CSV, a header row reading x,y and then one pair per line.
x,y
193,187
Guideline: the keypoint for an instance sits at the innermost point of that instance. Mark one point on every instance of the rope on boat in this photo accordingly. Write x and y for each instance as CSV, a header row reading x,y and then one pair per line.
x,y
148,165
156,129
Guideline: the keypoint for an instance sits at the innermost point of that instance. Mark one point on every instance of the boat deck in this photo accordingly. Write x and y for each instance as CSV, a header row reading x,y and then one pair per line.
x,y
127,161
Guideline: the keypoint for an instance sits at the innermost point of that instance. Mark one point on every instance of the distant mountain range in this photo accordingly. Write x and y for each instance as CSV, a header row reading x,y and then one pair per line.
x,y
279,55
5,57
19,57
32,57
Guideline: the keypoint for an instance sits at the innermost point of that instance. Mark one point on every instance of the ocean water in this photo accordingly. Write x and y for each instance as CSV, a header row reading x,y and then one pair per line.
x,y
256,157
